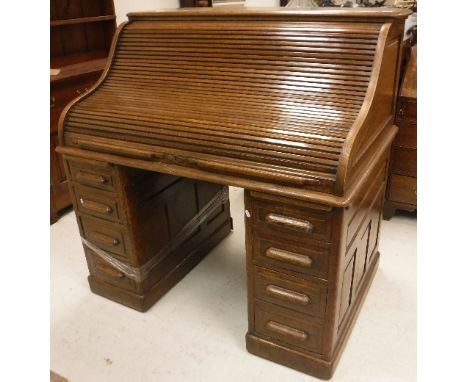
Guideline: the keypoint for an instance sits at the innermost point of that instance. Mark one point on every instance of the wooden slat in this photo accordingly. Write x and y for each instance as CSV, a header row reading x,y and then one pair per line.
x,y
278,97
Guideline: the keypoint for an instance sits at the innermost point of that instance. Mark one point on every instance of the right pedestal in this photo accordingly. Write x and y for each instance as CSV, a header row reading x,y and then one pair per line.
x,y
309,268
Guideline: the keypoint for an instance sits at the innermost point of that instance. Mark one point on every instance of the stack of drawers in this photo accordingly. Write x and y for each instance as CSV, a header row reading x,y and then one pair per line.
x,y
134,219
288,262
101,215
402,182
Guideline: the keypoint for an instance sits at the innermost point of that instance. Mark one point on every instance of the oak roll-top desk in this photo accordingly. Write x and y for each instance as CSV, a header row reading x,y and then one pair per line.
x,y
296,107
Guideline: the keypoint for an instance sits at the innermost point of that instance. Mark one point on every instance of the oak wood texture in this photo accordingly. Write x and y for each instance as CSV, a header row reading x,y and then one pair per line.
x,y
134,219
304,299
80,36
295,106
402,188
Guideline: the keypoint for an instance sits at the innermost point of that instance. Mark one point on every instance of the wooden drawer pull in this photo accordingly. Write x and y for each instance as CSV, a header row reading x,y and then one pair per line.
x,y
287,331
111,272
104,239
287,294
82,176
289,257
95,206
298,224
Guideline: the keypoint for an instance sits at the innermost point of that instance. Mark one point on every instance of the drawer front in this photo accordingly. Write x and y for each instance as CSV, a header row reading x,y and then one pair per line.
x,y
106,272
289,327
404,161
97,203
281,255
403,189
305,296
300,223
105,235
407,135
93,176
407,111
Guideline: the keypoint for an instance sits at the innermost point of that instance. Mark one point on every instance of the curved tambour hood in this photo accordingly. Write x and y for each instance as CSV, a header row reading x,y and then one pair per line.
x,y
276,98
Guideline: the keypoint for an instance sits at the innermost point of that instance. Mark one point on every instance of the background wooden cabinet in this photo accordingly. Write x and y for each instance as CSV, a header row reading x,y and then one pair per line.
x,y
195,3
402,177
81,33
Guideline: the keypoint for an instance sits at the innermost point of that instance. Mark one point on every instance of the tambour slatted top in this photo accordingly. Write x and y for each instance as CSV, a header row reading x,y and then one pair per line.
x,y
273,99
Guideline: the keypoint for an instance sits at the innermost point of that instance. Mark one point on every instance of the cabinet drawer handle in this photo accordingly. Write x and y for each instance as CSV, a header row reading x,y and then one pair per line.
x,y
52,102
104,239
298,224
401,112
287,294
289,257
111,272
95,206
285,330
94,178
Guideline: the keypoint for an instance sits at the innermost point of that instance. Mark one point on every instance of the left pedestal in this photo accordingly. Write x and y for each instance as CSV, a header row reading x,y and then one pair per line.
x,y
143,231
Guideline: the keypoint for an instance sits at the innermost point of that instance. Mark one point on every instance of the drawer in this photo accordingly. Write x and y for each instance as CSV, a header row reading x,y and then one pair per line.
x,y
403,189
407,135
281,255
106,272
407,110
98,203
289,327
93,175
297,222
305,296
108,236
404,161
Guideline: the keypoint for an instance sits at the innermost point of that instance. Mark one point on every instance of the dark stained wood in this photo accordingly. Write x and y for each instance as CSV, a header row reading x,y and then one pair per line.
x,y
295,106
82,20
80,51
401,190
195,3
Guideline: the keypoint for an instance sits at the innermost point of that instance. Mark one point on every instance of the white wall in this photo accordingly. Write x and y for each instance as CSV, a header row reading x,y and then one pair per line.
x,y
262,3
122,7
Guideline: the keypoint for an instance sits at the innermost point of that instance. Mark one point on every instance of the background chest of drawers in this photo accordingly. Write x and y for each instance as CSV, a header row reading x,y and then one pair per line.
x,y
402,181
195,3
81,32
